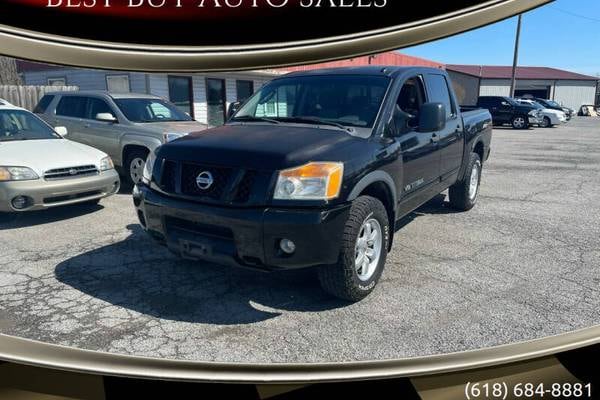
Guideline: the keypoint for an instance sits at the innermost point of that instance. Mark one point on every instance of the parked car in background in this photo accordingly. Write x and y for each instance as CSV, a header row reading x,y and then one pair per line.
x,y
550,117
506,110
315,170
40,169
553,105
125,126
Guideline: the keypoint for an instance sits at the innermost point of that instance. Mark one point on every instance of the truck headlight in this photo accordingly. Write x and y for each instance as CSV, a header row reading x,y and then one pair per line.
x,y
148,168
17,174
313,181
106,163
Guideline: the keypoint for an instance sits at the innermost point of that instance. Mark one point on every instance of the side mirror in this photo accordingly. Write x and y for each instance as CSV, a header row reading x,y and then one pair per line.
x,y
232,109
61,130
106,117
432,117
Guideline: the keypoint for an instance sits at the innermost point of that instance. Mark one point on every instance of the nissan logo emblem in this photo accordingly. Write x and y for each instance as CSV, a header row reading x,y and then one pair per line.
x,y
204,180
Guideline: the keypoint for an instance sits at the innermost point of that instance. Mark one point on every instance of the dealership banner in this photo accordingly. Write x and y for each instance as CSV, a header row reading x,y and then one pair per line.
x,y
193,35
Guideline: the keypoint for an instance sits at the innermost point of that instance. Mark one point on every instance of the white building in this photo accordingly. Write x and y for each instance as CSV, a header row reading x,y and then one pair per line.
x,y
568,88
205,96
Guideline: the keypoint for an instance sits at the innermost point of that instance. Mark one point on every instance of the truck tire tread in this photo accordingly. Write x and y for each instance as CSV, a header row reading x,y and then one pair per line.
x,y
459,192
341,279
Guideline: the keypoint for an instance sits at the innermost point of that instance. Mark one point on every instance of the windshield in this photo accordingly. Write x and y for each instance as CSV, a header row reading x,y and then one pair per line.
x,y
150,110
553,103
533,104
340,100
22,125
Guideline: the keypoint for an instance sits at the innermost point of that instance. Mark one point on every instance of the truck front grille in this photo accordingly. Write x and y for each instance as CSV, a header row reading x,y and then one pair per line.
x,y
229,185
71,172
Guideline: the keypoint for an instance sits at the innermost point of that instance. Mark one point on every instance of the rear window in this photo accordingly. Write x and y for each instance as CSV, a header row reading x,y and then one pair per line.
x,y
43,104
72,106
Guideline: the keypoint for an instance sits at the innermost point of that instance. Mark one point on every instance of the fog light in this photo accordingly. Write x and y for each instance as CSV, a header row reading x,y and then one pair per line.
x,y
20,202
287,246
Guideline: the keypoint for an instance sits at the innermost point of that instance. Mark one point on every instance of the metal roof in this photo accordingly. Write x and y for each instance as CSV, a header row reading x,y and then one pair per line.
x,y
505,72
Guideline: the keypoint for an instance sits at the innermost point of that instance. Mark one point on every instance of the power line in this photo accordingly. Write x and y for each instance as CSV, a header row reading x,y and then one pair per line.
x,y
575,14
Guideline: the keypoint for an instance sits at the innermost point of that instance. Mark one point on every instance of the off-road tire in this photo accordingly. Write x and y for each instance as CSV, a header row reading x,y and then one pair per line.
x,y
341,279
459,192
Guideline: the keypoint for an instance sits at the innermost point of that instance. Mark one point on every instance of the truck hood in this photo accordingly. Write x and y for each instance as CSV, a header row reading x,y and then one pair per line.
x,y
43,155
263,146
179,127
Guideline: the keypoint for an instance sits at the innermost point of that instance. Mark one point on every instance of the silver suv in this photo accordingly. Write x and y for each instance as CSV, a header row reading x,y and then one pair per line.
x,y
125,126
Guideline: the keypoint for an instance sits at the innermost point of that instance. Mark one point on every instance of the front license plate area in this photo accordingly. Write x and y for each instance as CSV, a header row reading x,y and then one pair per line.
x,y
193,250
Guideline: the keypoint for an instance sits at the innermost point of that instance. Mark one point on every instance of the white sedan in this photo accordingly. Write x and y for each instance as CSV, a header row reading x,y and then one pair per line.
x,y
40,169
549,117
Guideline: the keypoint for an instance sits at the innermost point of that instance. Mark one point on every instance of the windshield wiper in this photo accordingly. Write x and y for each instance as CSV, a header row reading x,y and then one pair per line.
x,y
249,118
317,121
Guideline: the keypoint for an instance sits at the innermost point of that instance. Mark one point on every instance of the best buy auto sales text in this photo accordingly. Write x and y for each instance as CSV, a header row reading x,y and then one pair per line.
x,y
221,3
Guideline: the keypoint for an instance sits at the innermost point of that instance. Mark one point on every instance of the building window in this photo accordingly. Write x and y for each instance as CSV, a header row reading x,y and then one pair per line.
x,y
57,81
244,90
118,83
215,101
181,93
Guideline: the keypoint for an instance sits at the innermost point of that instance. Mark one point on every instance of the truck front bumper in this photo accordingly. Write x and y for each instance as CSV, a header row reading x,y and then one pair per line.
x,y
41,194
245,237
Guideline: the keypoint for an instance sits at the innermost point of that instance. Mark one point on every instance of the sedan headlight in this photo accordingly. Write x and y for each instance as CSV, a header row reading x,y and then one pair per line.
x,y
313,181
148,168
17,174
106,163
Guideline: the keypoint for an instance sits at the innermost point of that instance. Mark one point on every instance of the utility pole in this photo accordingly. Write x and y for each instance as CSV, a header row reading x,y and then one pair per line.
x,y
516,58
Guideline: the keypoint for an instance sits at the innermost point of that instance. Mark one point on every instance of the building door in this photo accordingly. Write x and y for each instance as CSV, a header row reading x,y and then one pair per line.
x,y
181,93
531,93
216,101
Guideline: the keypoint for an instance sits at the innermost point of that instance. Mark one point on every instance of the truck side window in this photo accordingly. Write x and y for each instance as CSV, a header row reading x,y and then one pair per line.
x,y
411,98
440,93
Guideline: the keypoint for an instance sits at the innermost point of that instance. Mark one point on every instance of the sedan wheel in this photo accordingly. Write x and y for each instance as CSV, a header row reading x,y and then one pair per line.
x,y
546,123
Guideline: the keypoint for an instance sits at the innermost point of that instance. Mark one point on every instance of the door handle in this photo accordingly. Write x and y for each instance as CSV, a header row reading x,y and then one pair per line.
x,y
435,138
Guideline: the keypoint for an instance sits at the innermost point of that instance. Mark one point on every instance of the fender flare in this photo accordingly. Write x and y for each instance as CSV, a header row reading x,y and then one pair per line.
x,y
372,177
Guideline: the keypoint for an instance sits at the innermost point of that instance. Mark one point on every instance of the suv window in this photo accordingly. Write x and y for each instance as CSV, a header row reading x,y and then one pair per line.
x,y
412,97
488,101
440,93
43,104
72,106
97,106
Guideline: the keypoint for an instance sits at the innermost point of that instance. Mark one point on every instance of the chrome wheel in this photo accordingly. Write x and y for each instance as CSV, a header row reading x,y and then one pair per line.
x,y
136,169
368,249
519,123
474,182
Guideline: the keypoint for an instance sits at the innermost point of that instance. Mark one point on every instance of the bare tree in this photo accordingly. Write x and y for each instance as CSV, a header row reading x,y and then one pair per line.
x,y
8,72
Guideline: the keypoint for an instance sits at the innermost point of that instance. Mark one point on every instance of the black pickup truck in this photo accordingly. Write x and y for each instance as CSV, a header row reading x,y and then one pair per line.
x,y
506,110
315,169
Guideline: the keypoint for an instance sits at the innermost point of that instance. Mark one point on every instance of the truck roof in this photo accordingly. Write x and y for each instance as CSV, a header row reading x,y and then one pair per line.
x,y
105,93
372,70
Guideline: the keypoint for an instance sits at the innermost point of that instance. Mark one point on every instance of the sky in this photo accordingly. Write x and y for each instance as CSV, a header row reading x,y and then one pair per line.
x,y
564,34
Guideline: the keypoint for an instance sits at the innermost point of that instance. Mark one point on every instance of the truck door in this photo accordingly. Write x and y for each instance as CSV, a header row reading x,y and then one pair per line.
x,y
450,139
421,160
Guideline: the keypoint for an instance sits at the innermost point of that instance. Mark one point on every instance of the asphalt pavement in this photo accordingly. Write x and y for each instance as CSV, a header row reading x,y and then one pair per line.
x,y
523,264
